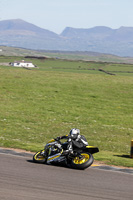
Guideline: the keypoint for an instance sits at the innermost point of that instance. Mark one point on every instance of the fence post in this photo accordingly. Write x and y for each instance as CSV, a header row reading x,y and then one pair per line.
x,y
131,149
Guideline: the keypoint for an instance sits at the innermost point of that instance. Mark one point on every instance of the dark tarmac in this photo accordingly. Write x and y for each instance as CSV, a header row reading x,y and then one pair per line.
x,y
21,179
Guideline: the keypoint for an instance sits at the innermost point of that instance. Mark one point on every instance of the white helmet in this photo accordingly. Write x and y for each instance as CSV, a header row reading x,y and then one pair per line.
x,y
74,133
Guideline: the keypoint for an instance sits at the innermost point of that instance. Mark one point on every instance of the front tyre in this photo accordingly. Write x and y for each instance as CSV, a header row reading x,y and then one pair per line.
x,y
82,162
40,157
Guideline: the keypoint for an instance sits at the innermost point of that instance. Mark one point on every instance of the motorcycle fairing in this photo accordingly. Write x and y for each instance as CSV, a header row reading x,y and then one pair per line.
x,y
53,158
50,141
92,149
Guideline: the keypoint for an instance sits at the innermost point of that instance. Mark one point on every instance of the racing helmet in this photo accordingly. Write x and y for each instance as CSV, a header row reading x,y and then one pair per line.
x,y
74,133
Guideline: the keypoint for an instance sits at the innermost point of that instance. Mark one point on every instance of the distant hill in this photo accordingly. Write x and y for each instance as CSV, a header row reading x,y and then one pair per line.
x,y
19,33
103,39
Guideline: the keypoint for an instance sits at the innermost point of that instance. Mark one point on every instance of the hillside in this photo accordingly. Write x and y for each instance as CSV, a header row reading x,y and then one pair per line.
x,y
68,55
100,39
23,34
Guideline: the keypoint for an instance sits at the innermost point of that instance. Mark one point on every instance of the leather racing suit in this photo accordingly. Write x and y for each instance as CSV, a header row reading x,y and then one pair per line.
x,y
80,142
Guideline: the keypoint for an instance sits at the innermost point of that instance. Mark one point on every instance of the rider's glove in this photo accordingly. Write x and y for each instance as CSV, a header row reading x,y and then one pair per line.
x,y
69,139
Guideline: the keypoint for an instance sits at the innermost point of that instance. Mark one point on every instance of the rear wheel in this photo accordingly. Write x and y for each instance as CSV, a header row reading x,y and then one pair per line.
x,y
40,157
83,161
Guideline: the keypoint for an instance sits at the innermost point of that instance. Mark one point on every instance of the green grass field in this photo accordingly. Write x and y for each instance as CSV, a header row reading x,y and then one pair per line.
x,y
39,104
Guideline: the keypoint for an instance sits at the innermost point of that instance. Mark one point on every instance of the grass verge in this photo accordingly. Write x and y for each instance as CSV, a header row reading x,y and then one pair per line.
x,y
37,105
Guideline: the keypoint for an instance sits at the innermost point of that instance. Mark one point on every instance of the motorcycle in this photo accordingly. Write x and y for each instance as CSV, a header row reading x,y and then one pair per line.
x,y
55,152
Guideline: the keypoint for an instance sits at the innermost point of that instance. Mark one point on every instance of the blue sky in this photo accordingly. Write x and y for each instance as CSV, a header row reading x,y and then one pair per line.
x,y
56,15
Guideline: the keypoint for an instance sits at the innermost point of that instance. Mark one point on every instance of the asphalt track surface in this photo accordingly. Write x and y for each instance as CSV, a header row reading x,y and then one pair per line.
x,y
21,179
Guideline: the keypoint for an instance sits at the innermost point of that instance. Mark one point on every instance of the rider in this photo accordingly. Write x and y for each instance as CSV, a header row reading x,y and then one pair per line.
x,y
75,140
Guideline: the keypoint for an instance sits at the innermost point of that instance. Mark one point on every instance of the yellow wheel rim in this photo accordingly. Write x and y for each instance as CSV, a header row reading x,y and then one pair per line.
x,y
38,156
82,160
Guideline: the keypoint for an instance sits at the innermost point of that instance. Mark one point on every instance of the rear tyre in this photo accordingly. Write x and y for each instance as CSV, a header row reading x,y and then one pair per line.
x,y
40,157
82,163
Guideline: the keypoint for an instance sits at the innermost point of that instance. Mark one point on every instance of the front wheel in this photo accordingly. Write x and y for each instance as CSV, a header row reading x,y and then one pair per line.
x,y
40,157
82,162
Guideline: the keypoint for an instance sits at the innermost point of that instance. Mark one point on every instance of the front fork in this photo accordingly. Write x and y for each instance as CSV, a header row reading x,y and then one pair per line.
x,y
44,153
